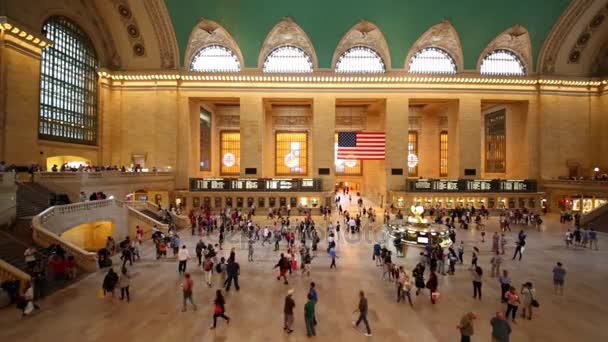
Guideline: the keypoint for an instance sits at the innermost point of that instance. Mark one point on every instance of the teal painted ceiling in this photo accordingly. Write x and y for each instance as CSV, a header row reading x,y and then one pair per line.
x,y
477,22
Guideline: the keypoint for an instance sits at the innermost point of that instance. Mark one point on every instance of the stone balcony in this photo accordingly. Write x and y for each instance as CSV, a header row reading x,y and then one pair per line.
x,y
112,183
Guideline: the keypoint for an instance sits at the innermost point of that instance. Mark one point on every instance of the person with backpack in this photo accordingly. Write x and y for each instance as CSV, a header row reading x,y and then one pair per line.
x,y
187,287
288,311
109,282
306,261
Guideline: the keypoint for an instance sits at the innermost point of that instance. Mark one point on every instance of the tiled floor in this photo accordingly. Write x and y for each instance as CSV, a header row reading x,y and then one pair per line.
x,y
154,314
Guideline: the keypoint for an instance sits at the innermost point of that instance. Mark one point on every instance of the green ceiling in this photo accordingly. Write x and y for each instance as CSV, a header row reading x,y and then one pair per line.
x,y
402,21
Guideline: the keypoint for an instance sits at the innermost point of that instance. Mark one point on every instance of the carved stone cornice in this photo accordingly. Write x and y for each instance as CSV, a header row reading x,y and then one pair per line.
x,y
229,121
515,39
367,34
291,121
208,32
165,34
354,123
287,32
444,36
548,53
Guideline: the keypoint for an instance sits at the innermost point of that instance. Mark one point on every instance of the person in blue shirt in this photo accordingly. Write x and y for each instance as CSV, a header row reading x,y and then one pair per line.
x,y
313,296
376,255
332,254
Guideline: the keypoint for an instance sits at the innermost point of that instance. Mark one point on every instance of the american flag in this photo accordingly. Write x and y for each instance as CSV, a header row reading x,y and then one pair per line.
x,y
361,145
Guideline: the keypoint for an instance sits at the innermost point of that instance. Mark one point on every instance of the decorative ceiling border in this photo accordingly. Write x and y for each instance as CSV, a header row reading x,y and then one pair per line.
x,y
583,39
165,34
548,53
128,19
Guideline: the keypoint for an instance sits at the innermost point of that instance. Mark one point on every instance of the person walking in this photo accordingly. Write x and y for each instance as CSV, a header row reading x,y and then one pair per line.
x,y
109,282
477,274
466,326
219,309
432,285
559,276
124,282
284,266
362,308
232,270
187,287
461,252
288,311
500,328
309,316
496,262
512,303
315,297
199,249
592,239
527,295
183,255
208,269
333,255
519,249
505,284
250,250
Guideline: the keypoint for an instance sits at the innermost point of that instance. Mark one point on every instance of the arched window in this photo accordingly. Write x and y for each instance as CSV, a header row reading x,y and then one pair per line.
x,y
215,58
432,60
360,60
68,85
503,63
288,59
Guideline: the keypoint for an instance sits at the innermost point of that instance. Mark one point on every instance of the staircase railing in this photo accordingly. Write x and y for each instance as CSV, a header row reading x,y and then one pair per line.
x,y
44,237
595,213
9,272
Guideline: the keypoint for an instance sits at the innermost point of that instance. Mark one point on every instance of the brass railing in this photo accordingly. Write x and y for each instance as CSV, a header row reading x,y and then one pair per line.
x,y
9,272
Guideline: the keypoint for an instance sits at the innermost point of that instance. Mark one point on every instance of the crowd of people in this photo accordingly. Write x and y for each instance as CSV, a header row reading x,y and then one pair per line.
x,y
296,242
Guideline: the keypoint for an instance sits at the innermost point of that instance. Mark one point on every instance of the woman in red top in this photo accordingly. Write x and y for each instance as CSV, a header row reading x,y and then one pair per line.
x,y
59,267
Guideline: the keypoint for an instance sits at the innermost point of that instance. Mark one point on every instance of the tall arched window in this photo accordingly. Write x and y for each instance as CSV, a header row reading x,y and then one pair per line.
x,y
360,60
68,85
504,63
288,59
432,60
215,58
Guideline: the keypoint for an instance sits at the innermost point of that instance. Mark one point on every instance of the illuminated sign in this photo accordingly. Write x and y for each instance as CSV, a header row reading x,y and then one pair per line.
x,y
471,185
255,184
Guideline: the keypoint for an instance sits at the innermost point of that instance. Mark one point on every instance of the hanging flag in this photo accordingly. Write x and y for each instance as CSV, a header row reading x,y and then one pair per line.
x,y
361,145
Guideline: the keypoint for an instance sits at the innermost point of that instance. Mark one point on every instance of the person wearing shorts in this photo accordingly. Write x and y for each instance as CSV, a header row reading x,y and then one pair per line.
x,y
559,276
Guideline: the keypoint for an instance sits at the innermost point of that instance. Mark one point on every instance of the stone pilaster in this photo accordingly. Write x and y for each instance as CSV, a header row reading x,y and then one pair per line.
x,y
397,126
322,139
469,135
252,121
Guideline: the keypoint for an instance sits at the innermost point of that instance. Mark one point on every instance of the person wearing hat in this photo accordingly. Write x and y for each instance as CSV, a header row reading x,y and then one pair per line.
x,y
288,311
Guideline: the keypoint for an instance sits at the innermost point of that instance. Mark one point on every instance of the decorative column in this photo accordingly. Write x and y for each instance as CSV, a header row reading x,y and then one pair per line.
x,y
252,120
469,138
396,127
322,139
20,55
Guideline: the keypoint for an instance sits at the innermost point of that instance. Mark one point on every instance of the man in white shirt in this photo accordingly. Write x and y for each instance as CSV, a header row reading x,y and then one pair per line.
x,y
183,255
352,224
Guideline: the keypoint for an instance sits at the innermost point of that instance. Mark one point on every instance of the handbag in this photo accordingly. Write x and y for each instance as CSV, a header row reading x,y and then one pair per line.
x,y
534,303
217,310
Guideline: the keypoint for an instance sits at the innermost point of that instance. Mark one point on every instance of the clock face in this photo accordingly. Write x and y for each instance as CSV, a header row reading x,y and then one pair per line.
x,y
412,160
229,159
291,160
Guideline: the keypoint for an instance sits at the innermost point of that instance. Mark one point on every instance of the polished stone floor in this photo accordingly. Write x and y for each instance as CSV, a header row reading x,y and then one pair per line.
x,y
154,313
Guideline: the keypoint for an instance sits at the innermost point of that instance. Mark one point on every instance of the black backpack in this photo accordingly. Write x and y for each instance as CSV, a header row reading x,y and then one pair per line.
x,y
218,268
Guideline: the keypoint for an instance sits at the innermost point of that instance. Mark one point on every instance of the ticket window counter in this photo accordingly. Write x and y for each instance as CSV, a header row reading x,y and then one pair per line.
x,y
282,202
491,203
480,203
272,202
217,202
229,202
531,203
250,202
239,202
511,204
196,202
261,202
502,203
206,202
521,203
